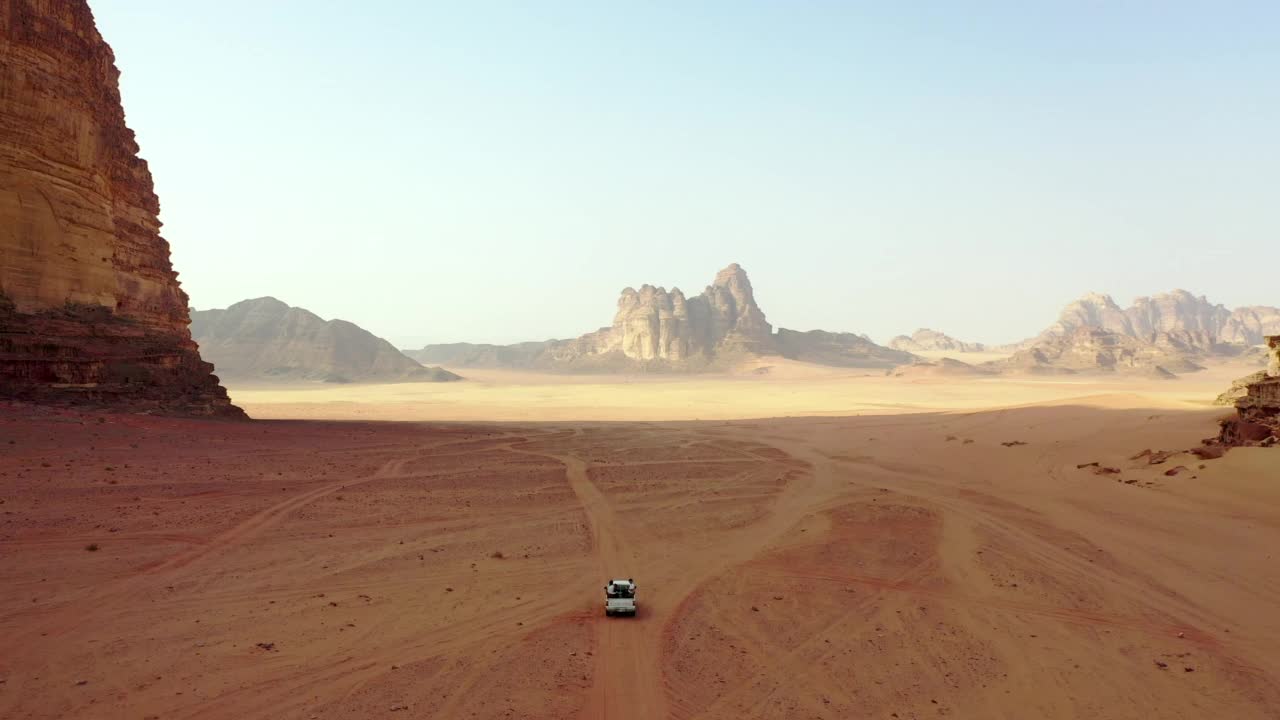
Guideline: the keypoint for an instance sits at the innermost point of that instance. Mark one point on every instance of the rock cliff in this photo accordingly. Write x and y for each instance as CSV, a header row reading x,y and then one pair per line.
x,y
1251,325
91,310
653,324
924,340
1086,349
655,329
1257,419
267,339
1177,318
1173,331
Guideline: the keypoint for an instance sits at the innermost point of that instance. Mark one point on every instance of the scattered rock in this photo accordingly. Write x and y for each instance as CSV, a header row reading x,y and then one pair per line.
x,y
1154,458
1099,469
1013,443
1161,664
268,646
1209,452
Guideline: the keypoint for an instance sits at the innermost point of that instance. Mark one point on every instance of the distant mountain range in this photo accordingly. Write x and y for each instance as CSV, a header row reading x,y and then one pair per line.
x,y
658,330
1163,334
924,340
265,339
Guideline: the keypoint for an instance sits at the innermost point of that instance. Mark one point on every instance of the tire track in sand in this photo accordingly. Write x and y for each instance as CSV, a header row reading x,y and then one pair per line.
x,y
78,613
628,683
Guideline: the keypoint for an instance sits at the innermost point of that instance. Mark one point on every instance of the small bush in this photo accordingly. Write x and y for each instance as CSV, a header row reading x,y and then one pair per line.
x,y
497,555
91,547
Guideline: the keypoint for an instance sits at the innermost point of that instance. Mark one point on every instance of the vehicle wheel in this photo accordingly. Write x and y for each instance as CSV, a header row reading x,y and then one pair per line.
x,y
608,613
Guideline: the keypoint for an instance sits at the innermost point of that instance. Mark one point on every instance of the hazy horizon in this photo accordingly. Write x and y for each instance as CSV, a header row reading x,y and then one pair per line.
x,y
495,172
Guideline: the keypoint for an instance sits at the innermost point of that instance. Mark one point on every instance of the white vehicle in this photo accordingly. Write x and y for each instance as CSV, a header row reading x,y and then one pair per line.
x,y
620,597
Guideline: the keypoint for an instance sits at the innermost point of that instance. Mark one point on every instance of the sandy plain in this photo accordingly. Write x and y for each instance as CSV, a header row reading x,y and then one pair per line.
x,y
900,548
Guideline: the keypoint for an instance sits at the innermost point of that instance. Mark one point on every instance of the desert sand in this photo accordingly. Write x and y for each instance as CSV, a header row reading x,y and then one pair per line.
x,y
909,549
783,389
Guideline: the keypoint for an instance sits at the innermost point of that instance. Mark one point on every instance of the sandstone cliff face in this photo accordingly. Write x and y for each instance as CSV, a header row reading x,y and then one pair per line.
x,y
924,340
653,324
266,339
90,307
1257,420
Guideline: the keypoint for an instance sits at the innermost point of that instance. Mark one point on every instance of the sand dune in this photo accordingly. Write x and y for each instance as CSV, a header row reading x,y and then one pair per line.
x,y
906,563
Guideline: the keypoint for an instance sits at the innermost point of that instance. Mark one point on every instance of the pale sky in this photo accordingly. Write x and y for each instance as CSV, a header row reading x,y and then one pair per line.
x,y
499,171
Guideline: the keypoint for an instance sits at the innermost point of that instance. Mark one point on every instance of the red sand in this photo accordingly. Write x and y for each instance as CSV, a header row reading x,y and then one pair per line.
x,y
825,568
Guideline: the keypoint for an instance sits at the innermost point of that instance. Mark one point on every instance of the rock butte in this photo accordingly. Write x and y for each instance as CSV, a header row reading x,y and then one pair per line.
x,y
90,308
660,330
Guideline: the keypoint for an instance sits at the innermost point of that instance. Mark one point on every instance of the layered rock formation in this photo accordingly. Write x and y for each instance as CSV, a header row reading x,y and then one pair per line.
x,y
1239,388
661,330
1177,319
266,339
1168,333
1257,420
925,340
1086,349
90,308
653,324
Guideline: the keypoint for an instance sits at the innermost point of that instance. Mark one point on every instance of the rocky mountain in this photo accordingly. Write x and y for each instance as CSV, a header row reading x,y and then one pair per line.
x,y
481,355
267,339
659,330
1176,317
91,310
1251,325
1164,334
924,340
837,349
1086,349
